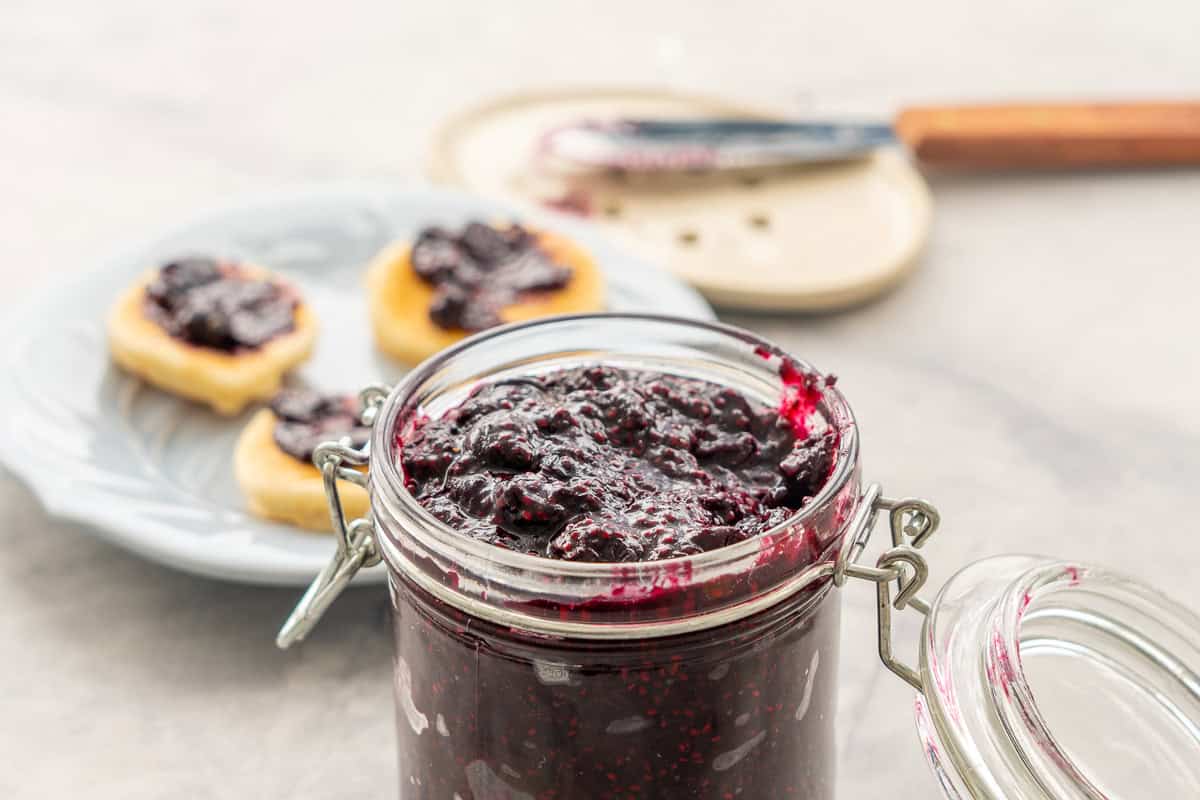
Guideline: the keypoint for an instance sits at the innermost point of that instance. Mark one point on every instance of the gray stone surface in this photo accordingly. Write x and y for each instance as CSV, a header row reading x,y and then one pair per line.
x,y
1036,378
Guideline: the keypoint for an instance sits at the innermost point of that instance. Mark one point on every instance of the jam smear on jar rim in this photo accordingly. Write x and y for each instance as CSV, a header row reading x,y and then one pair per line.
x,y
802,390
479,270
218,305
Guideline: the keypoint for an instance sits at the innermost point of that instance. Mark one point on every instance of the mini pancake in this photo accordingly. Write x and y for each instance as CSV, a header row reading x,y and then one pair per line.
x,y
281,487
399,299
225,381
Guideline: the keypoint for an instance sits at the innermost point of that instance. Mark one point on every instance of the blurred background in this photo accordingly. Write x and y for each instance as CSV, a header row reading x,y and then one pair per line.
x,y
1036,376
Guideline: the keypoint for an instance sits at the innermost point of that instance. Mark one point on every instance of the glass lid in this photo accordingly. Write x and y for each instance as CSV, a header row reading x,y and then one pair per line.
x,y
1049,679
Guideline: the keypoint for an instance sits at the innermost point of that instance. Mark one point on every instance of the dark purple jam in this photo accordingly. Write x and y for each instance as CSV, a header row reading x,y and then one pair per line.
x,y
740,712
614,465
479,270
307,418
214,304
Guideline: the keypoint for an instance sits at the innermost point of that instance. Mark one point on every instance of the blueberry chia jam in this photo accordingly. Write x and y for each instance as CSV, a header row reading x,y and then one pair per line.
x,y
305,418
603,464
477,271
599,533
219,305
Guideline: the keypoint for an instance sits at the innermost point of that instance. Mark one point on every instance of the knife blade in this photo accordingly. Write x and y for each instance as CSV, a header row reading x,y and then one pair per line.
x,y
647,145
987,136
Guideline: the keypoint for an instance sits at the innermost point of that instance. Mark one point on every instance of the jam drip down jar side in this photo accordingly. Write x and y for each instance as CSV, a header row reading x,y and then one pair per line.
x,y
520,677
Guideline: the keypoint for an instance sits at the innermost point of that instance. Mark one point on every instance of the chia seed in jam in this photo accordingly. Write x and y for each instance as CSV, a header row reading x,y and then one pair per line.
x,y
307,418
217,305
614,465
480,270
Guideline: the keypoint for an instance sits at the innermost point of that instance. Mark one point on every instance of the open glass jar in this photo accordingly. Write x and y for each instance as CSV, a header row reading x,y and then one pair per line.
x,y
711,675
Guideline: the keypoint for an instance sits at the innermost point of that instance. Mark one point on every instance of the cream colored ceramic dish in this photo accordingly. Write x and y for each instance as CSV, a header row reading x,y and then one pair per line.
x,y
816,237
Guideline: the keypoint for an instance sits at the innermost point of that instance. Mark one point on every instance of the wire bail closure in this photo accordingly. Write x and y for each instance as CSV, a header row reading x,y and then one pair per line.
x,y
355,538
912,522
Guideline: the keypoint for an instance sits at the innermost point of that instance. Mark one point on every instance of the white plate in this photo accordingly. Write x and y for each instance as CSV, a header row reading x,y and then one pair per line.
x,y
152,473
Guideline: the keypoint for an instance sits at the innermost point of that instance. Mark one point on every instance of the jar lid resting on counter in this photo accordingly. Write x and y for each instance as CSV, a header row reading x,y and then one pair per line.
x,y
1053,679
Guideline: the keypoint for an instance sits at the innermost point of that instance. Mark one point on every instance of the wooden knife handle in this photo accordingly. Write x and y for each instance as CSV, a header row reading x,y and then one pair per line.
x,y
1049,136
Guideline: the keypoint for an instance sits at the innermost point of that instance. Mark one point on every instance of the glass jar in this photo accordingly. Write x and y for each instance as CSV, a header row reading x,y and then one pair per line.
x,y
714,675
709,675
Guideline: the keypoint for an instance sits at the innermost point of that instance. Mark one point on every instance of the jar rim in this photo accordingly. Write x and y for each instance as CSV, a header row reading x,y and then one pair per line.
x,y
387,471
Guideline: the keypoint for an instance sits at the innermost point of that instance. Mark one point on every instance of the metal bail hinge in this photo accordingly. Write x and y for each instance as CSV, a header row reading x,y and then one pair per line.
x,y
912,522
355,539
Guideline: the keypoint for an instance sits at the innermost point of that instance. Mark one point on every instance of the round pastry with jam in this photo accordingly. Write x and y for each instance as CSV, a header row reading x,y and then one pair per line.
x,y
219,332
273,457
428,294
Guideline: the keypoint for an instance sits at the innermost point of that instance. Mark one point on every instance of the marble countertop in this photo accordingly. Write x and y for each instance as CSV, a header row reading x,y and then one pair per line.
x,y
1036,377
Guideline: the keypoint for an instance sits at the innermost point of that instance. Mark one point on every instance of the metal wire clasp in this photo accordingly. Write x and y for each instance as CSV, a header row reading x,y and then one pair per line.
x,y
355,538
912,522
